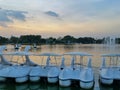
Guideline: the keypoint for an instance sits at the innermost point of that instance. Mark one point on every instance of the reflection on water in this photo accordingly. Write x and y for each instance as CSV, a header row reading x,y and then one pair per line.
x,y
95,49
35,86
115,86
46,86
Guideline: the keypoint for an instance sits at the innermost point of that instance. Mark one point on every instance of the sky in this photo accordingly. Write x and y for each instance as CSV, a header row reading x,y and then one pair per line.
x,y
57,18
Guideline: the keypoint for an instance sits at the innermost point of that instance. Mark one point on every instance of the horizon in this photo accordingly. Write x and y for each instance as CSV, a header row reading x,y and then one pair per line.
x,y
81,18
100,37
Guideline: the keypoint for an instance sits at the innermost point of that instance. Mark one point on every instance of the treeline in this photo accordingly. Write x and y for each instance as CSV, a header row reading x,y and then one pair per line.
x,y
30,39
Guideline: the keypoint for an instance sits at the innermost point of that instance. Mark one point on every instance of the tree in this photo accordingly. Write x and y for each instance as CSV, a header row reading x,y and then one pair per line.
x,y
85,40
3,40
14,39
51,40
30,39
68,39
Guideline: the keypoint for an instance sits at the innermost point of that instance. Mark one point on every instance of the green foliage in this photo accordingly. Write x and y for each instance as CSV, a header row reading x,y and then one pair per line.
x,y
3,40
86,40
50,40
14,39
37,39
68,39
28,39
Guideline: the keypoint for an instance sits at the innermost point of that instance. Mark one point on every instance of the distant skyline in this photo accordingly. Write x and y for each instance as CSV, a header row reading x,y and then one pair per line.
x,y
57,18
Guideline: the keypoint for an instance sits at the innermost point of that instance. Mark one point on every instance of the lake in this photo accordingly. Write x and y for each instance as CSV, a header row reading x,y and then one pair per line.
x,y
95,49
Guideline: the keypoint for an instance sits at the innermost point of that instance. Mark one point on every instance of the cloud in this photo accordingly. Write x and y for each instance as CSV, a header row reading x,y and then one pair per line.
x,y
8,16
19,15
51,13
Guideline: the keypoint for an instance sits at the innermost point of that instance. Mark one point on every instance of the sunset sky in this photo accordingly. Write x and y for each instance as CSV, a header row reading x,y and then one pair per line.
x,y
57,18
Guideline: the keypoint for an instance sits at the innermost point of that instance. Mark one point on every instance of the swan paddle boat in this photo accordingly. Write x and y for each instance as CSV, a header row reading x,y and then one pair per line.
x,y
17,47
3,63
47,68
110,68
77,71
18,71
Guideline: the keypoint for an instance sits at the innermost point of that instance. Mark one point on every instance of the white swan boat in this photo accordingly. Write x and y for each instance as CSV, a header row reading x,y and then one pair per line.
x,y
17,47
50,71
3,63
34,45
110,68
83,74
17,71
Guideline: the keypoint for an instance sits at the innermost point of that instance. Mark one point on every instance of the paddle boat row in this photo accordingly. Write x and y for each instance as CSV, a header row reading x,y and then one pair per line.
x,y
64,74
53,72
21,71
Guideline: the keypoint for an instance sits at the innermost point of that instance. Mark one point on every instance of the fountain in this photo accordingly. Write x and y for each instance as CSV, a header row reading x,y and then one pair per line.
x,y
110,67
110,43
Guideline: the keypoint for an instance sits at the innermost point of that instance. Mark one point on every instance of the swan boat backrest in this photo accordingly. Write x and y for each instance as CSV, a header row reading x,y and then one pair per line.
x,y
81,55
50,57
110,60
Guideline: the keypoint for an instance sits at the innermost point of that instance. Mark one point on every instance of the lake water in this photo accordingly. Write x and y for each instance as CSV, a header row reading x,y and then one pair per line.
x,y
95,49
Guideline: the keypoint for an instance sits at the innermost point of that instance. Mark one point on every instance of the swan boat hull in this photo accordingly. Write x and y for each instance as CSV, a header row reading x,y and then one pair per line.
x,y
53,74
34,74
19,73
